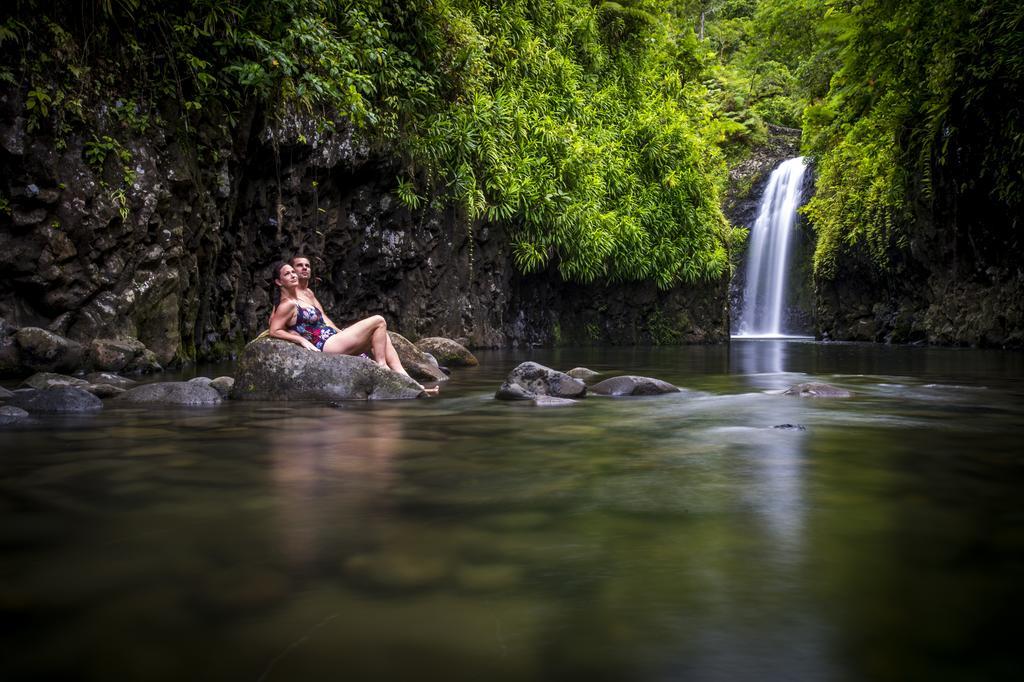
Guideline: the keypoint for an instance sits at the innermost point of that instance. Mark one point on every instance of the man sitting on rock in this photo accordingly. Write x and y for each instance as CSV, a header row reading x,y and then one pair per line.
x,y
297,316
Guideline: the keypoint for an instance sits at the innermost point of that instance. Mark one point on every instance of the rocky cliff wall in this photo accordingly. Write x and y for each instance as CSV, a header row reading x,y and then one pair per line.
x,y
170,240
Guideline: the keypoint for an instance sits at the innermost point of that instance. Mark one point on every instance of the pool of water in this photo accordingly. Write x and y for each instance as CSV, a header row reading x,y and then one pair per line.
x,y
661,538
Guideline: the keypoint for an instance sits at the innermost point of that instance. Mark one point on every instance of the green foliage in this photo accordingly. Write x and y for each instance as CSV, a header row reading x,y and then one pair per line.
x,y
917,133
582,126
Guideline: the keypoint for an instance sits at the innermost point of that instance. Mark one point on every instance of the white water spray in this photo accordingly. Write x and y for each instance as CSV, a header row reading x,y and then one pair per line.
x,y
765,289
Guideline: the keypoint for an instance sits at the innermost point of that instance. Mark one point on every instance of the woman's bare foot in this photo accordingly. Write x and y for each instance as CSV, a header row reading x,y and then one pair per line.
x,y
433,390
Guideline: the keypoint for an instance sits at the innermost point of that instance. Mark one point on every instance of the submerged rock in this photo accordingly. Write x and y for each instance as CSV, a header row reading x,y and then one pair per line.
x,y
816,390
790,427
551,401
448,353
172,393
5,394
416,362
272,369
585,375
633,385
57,400
529,380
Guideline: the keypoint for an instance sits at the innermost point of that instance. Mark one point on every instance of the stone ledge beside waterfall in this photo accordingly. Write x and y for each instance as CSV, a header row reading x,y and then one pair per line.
x,y
272,369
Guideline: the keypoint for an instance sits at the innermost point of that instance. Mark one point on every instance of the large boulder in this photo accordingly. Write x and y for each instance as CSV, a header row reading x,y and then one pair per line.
x,y
415,361
44,351
121,355
816,390
56,400
587,376
529,380
273,369
632,385
447,352
186,393
10,358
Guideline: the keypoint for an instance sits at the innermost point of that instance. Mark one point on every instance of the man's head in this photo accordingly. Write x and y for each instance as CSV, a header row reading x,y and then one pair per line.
x,y
302,268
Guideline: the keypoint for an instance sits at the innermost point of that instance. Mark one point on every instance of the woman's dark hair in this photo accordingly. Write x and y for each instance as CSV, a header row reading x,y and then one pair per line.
x,y
275,291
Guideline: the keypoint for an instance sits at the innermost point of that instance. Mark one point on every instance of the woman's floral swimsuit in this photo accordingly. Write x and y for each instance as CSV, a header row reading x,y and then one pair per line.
x,y
309,323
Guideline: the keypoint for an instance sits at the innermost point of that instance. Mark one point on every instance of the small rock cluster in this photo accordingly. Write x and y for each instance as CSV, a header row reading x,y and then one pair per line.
x,y
32,349
547,387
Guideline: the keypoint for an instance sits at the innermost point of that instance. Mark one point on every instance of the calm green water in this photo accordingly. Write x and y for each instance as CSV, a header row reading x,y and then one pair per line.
x,y
667,538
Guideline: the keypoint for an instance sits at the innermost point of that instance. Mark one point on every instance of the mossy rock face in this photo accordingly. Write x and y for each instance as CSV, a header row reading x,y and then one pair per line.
x,y
44,351
447,352
273,369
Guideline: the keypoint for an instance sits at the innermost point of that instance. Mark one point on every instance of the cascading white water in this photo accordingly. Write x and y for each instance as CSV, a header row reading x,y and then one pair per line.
x,y
765,290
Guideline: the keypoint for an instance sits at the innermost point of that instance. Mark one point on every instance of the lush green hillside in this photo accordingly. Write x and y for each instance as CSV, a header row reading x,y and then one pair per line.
x,y
585,127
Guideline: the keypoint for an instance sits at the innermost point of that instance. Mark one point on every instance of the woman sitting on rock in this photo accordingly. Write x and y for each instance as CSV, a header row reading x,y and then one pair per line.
x,y
305,325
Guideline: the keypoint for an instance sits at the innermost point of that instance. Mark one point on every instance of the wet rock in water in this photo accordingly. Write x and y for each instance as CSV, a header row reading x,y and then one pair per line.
x,y
449,353
122,355
171,393
223,385
551,401
790,427
531,380
202,381
585,375
632,386
273,369
509,391
41,380
415,361
57,400
44,351
5,394
816,390
9,414
104,391
110,379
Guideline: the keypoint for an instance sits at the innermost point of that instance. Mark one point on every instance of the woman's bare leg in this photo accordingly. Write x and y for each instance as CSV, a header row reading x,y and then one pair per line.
x,y
358,338
371,335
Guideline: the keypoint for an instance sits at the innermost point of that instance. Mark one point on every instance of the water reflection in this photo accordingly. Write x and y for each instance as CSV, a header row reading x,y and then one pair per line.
x,y
665,537
330,469
756,358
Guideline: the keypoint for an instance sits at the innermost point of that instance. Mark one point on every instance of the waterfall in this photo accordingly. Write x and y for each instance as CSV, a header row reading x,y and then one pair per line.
x,y
765,290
